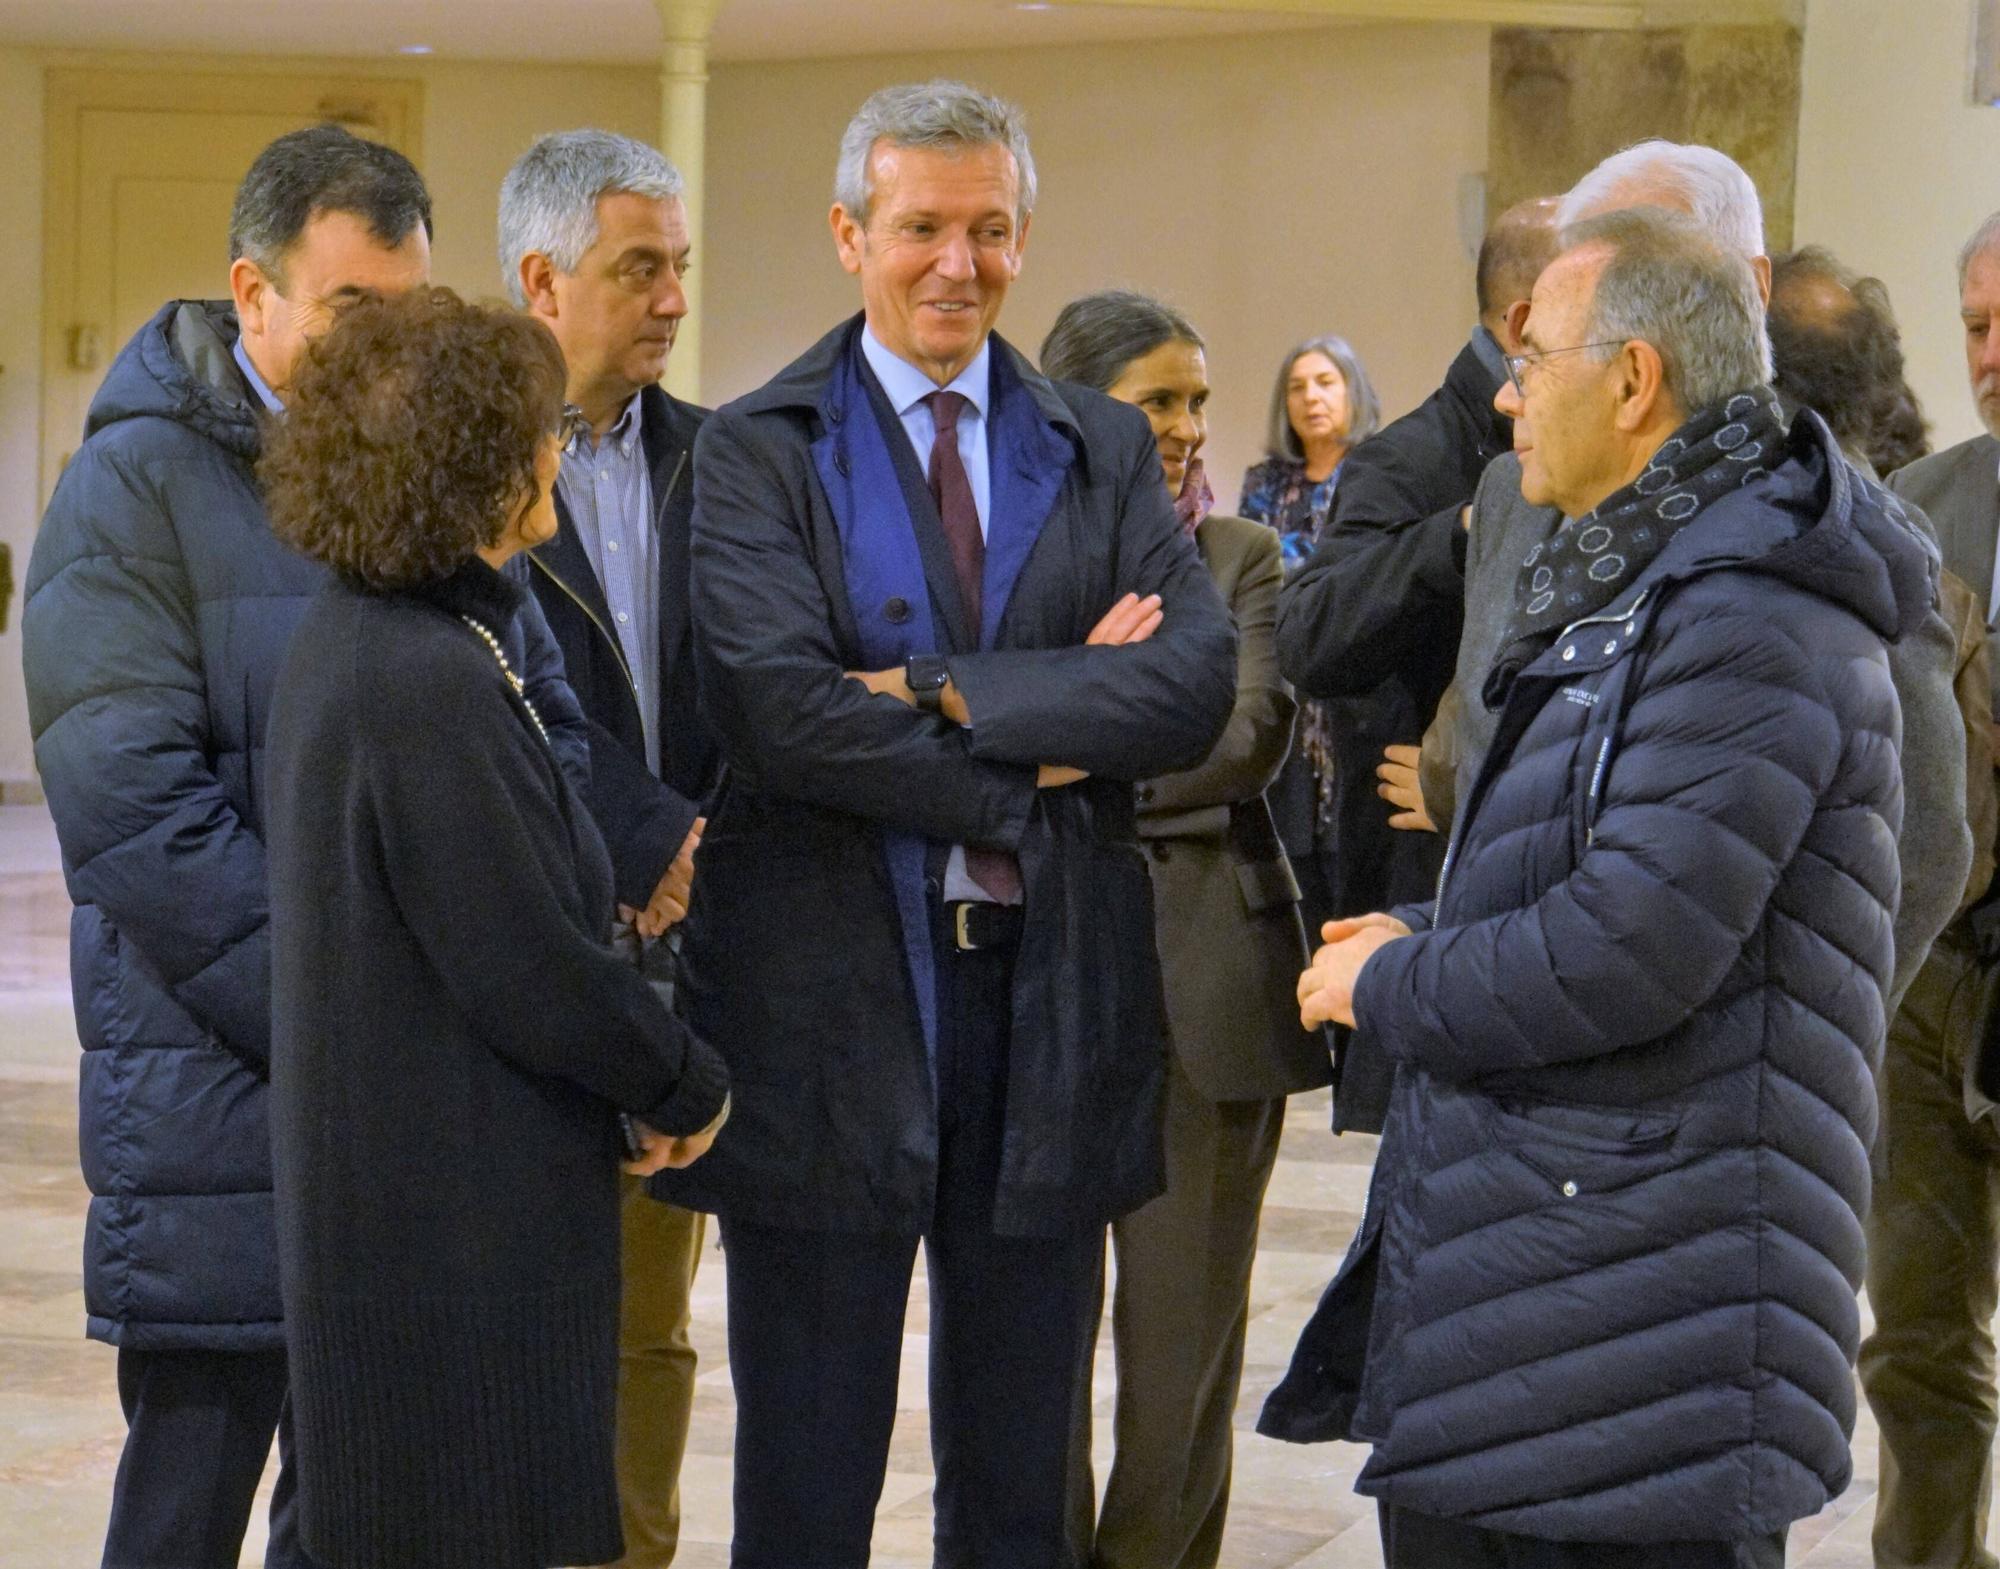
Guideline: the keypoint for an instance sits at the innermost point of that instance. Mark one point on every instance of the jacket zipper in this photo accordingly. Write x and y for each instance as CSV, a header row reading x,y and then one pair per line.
x,y
603,631
1603,757
617,653
673,480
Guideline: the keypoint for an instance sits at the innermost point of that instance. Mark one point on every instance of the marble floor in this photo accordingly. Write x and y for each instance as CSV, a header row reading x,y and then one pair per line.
x,y
60,1428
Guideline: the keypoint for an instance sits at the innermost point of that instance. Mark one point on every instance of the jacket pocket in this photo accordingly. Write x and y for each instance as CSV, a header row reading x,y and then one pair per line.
x,y
1580,1150
1266,885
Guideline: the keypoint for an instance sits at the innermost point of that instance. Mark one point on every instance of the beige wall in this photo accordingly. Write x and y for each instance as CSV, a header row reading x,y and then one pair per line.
x,y
20,372
477,119
1896,169
1275,187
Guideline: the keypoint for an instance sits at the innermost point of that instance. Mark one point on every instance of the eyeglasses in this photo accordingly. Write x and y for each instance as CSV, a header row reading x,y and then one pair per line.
x,y
1517,364
573,420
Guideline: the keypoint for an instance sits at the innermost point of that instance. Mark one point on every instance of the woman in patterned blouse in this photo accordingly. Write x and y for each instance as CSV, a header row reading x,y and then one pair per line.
x,y
1323,405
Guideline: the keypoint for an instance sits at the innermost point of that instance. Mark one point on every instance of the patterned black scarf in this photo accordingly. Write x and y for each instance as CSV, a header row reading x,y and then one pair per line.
x,y
1587,563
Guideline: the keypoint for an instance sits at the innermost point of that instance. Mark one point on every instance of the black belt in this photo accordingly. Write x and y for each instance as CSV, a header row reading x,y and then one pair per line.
x,y
977,925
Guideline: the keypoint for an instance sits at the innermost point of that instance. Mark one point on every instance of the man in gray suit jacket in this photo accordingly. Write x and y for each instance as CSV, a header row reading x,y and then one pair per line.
x,y
1934,1229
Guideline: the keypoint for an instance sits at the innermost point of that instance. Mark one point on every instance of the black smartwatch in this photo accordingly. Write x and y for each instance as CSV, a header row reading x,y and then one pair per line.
x,y
927,676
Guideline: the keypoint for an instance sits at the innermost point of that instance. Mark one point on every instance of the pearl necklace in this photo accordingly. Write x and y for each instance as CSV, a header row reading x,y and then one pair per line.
x,y
493,645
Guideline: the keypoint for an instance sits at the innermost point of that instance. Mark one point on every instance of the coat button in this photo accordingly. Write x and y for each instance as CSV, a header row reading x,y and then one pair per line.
x,y
896,610
1611,647
1569,1190
934,886
1145,794
1629,626
840,464
1570,652
1159,852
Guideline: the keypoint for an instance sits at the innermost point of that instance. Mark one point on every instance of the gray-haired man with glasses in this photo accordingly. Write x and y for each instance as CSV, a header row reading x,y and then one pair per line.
x,y
1936,848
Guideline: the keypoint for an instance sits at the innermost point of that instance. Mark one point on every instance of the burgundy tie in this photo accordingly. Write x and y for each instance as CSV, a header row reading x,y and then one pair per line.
x,y
952,492
994,870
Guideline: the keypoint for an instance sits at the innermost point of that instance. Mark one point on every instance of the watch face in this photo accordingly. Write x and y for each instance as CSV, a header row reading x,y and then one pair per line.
x,y
926,675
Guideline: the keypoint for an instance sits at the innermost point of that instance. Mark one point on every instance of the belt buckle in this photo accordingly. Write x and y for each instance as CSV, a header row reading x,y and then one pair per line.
x,y
962,930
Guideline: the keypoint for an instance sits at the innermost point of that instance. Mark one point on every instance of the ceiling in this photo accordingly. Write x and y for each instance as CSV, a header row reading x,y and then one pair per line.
x,y
629,31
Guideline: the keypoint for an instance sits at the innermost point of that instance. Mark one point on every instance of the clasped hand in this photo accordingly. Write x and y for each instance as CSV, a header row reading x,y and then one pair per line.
x,y
669,904
1326,989
663,1152
1132,620
1402,788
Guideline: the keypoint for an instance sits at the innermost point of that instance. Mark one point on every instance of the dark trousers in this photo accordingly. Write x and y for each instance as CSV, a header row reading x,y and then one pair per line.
x,y
1934,1275
1412,1541
816,1329
198,1432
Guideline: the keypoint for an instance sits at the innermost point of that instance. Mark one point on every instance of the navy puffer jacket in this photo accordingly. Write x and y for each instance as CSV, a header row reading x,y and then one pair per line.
x,y
159,609
1614,1236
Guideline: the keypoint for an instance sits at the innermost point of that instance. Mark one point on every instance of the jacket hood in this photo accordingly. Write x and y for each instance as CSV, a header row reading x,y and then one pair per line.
x,y
1822,525
180,366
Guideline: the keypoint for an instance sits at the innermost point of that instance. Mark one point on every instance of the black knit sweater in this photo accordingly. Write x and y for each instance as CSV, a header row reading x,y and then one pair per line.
x,y
451,1039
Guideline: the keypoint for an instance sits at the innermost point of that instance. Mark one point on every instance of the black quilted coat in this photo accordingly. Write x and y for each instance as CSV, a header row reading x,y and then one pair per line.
x,y
1606,1286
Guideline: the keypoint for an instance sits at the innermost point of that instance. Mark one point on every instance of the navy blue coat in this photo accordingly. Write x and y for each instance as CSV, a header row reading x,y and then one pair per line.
x,y
799,967
1614,1235
159,609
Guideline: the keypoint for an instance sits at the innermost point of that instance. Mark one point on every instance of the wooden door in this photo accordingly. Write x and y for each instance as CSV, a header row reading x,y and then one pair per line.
x,y
142,171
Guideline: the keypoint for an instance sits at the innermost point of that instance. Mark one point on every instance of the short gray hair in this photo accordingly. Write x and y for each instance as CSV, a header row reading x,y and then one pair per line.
x,y
1985,238
1671,283
1720,198
548,201
1364,409
939,113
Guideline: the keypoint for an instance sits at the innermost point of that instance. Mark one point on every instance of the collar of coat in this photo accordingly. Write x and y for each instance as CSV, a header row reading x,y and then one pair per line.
x,y
808,385
667,430
1475,383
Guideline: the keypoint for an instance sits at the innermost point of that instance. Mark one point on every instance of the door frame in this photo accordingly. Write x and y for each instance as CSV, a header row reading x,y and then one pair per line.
x,y
360,102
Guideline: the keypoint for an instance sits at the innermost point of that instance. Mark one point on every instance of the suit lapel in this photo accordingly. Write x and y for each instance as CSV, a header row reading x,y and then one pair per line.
x,y
670,465
1030,462
1987,542
928,528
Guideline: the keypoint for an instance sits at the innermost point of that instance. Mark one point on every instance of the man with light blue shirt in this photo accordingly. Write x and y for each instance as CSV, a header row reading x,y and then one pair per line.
x,y
944,616
593,244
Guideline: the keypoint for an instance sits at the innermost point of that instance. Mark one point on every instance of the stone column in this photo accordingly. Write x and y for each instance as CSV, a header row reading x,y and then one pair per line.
x,y
1562,100
685,27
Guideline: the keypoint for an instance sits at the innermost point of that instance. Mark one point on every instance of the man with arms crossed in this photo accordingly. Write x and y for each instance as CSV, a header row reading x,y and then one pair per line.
x,y
944,615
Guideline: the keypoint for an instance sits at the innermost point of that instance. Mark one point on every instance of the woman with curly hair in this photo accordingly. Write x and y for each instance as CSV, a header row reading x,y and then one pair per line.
x,y
453,1043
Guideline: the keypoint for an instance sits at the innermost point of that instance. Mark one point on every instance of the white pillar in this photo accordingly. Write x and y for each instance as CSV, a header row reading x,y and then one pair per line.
x,y
683,138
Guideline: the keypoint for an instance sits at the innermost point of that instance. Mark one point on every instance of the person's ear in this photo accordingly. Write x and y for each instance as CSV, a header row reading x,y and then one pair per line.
x,y
1761,267
1021,242
1639,381
1513,322
538,284
850,240
255,297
